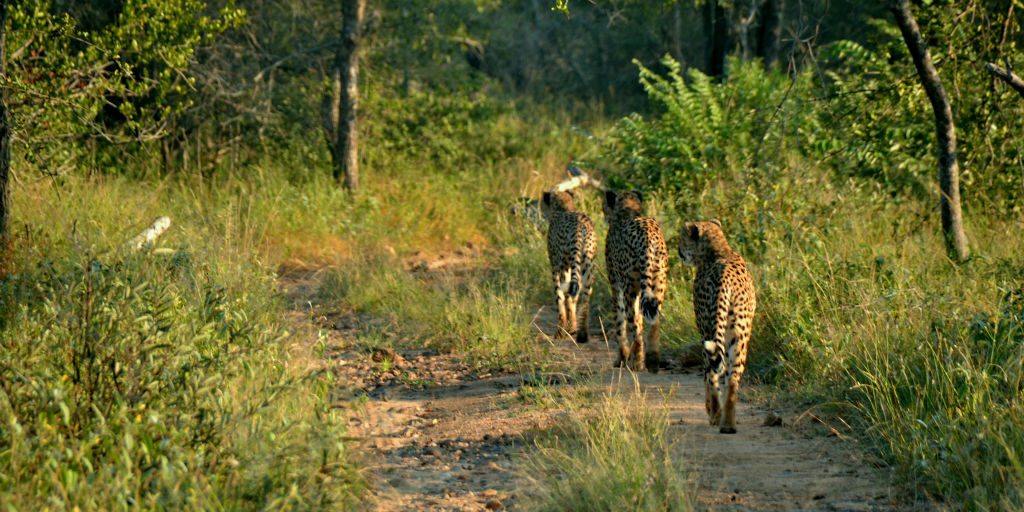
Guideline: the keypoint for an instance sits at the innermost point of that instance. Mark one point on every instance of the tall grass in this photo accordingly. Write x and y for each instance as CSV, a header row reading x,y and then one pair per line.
x,y
861,307
615,454
484,313
156,380
928,353
858,304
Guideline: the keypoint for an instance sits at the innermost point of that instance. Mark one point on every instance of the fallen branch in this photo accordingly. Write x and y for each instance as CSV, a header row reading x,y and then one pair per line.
x,y
150,234
530,208
1007,75
579,179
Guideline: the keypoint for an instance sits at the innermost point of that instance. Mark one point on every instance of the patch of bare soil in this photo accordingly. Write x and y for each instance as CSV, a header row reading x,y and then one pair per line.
x,y
441,437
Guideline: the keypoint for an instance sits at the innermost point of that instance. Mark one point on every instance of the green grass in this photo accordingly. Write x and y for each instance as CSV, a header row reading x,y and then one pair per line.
x,y
484,315
171,380
928,352
610,452
859,306
162,380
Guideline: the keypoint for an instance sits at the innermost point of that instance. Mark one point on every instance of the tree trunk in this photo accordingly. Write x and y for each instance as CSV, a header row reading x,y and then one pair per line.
x,y
770,34
341,107
677,31
5,138
945,131
716,30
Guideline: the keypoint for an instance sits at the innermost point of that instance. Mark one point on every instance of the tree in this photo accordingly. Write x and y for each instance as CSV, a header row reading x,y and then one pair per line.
x,y
945,130
716,32
341,121
5,134
770,32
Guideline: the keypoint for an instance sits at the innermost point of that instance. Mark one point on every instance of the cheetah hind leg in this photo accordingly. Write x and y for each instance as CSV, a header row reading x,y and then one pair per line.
x,y
619,329
711,387
583,305
711,404
562,283
736,369
636,335
728,423
652,332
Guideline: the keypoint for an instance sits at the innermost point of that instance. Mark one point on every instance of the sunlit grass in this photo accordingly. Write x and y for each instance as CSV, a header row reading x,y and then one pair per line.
x,y
612,451
163,380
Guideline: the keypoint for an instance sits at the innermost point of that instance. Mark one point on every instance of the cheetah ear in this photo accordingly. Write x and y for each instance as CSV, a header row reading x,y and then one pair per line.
x,y
692,231
609,198
639,196
716,222
547,199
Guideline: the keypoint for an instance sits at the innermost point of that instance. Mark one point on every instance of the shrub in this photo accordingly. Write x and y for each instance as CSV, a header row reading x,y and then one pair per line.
x,y
140,382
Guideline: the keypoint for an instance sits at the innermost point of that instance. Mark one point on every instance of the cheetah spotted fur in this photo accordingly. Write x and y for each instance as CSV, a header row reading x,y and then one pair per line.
x,y
724,304
571,248
637,262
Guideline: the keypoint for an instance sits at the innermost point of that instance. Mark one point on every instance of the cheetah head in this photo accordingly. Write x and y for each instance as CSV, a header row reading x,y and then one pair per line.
x,y
557,202
629,202
696,236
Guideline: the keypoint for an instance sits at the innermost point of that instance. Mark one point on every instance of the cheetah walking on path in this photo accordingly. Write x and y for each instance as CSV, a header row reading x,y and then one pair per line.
x,y
724,304
571,248
637,262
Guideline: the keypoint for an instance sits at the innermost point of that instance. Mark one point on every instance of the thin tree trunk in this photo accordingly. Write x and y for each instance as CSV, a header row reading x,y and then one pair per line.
x,y
344,100
677,31
746,19
716,30
770,34
945,131
5,138
708,23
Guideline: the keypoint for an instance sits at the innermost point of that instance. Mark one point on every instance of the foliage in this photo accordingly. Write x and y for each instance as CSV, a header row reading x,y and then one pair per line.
x,y
952,405
706,131
857,305
156,380
73,88
876,97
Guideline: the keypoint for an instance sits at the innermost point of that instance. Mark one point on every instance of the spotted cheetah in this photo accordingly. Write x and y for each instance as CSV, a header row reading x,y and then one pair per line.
x,y
571,247
637,261
724,303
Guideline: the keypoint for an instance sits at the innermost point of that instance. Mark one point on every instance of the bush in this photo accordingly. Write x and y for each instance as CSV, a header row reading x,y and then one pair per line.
x,y
739,129
858,307
140,382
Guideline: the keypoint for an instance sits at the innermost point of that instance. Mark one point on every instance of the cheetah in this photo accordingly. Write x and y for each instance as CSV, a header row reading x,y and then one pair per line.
x,y
723,303
637,261
571,248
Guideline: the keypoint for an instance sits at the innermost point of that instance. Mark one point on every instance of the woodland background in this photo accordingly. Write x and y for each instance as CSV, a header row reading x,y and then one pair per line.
x,y
169,380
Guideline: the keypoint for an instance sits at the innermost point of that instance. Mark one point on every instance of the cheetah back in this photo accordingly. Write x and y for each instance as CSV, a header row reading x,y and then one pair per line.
x,y
636,253
572,242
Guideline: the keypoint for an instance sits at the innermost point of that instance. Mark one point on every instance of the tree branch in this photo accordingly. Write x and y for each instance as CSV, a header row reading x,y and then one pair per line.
x,y
150,234
1008,76
578,178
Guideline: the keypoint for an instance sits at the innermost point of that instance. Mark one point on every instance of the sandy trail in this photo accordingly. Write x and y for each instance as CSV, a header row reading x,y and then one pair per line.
x,y
442,438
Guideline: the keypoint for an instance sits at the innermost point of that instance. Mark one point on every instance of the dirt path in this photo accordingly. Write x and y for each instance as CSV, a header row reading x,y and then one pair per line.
x,y
442,438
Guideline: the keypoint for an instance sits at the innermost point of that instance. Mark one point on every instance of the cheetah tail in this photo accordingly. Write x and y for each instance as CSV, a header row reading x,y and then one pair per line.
x,y
574,282
650,306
